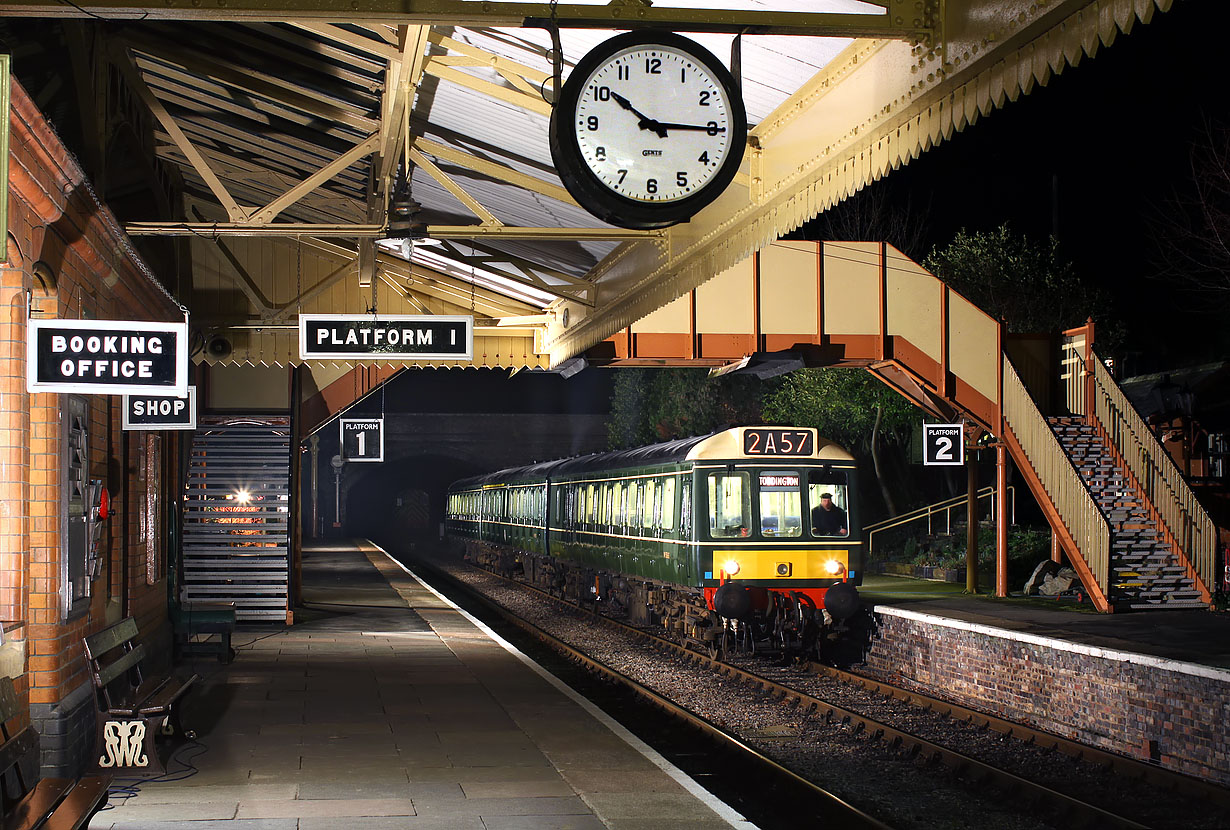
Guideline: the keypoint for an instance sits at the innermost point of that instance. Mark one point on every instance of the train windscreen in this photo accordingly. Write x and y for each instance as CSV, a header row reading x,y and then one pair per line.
x,y
780,504
828,495
730,504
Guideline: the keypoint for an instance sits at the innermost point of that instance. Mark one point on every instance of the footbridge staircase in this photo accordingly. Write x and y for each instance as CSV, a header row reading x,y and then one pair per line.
x,y
1119,507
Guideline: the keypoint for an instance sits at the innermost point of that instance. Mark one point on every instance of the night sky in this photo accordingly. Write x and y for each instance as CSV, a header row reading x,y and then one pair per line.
x,y
1094,158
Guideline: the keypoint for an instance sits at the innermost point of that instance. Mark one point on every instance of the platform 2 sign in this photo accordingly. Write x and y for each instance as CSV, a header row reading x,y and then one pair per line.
x,y
107,357
396,337
943,445
157,412
362,439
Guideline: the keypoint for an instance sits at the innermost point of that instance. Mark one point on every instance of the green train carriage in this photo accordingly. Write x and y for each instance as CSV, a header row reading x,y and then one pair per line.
x,y
692,533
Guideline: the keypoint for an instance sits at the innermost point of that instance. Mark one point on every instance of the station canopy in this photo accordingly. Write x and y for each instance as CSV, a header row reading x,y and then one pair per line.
x,y
291,126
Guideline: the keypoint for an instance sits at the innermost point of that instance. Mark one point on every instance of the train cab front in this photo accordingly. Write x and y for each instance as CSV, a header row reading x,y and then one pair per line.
x,y
783,555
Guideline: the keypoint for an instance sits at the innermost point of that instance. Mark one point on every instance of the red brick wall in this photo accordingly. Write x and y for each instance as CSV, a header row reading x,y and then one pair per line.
x,y
1112,700
54,219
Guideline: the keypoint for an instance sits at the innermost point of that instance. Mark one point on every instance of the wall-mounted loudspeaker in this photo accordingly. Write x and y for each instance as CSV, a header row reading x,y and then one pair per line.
x,y
219,347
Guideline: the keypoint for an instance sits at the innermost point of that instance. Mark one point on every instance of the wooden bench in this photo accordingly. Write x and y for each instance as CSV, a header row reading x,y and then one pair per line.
x,y
197,618
30,803
132,709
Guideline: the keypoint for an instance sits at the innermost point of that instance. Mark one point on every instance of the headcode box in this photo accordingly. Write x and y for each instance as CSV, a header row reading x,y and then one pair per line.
x,y
156,412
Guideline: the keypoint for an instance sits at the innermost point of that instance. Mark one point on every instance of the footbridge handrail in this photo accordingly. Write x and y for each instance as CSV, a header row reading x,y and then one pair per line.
x,y
1075,505
929,510
1159,477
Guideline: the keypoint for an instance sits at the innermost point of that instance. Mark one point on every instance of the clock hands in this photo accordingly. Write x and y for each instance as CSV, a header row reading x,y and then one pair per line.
x,y
697,127
646,123
660,127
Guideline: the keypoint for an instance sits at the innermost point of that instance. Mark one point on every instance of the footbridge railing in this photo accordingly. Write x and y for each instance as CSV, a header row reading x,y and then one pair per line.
x,y
1042,460
1191,529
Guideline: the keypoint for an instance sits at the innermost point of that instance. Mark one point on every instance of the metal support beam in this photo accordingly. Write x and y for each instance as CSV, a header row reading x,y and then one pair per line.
x,y
902,18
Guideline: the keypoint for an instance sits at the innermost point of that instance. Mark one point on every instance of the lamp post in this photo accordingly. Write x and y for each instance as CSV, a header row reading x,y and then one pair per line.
x,y
337,463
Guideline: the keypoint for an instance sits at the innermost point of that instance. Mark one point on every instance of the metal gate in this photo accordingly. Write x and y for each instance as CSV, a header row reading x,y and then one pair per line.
x,y
236,519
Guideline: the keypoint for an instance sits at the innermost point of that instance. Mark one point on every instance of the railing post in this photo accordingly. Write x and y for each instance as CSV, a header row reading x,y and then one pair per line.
x,y
1090,380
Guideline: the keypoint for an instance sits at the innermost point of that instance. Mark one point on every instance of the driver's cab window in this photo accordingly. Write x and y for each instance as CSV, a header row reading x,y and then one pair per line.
x,y
730,505
828,497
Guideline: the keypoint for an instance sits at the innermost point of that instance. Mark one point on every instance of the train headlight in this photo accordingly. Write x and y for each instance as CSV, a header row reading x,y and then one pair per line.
x,y
731,567
834,567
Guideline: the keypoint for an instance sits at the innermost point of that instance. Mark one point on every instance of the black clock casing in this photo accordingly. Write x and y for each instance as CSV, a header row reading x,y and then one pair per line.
x,y
649,129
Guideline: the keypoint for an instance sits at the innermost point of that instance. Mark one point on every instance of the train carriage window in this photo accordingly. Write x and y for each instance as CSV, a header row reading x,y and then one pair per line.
x,y
730,504
647,503
591,510
668,504
634,505
828,498
685,507
780,504
619,503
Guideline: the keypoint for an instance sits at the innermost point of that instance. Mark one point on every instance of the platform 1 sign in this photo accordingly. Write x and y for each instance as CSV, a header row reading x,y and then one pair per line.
x,y
396,337
943,445
107,357
362,439
156,412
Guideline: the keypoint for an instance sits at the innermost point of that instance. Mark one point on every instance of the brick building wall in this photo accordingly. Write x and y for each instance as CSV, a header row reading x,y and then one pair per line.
x,y
1133,704
71,256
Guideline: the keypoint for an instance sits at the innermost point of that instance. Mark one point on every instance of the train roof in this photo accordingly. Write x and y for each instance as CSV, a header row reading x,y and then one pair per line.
x,y
726,445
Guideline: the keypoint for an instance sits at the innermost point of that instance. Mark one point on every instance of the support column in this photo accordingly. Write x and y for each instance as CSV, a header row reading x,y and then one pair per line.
x,y
971,530
1001,519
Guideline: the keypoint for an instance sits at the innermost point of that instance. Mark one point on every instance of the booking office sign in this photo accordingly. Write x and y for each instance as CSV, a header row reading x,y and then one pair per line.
x,y
107,357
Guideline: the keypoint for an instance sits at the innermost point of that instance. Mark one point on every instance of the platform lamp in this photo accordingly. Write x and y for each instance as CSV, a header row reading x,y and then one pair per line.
x,y
405,226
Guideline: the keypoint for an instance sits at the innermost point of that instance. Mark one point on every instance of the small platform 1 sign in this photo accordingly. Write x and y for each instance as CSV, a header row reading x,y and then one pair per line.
x,y
943,445
396,337
362,439
107,357
160,411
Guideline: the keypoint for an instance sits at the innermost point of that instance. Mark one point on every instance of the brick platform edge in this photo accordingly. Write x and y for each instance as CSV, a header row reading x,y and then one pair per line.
x,y
1133,704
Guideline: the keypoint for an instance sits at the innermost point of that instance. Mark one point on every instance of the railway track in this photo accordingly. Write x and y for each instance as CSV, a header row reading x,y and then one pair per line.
x,y
822,804
1066,808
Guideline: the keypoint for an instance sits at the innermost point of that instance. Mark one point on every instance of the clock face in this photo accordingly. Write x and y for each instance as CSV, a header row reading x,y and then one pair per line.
x,y
648,130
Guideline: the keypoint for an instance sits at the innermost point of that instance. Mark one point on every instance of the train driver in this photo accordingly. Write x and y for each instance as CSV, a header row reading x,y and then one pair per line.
x,y
827,519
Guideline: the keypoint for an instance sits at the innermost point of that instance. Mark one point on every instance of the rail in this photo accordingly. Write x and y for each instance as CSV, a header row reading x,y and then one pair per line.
x,y
928,511
1071,499
1160,478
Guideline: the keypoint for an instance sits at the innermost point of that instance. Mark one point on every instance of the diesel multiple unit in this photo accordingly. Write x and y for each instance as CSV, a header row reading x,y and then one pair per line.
x,y
748,532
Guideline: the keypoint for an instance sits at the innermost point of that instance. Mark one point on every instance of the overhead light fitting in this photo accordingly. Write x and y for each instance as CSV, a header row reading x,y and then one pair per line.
x,y
405,220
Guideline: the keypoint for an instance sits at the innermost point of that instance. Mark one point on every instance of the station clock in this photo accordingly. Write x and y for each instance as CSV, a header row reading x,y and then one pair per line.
x,y
649,128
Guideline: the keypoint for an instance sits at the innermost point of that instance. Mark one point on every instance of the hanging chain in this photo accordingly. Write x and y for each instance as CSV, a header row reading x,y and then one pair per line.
x,y
473,286
556,56
298,275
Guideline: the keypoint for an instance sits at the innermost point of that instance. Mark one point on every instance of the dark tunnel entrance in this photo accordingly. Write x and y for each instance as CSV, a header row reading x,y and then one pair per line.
x,y
400,503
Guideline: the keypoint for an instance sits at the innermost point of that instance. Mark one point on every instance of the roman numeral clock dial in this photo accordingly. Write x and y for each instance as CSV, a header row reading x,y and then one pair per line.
x,y
649,129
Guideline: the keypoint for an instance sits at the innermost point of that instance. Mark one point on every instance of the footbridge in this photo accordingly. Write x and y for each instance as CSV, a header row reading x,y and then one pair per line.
x,y
1117,504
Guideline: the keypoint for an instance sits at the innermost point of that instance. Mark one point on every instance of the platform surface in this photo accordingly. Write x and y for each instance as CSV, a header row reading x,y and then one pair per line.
x,y
385,707
1189,636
